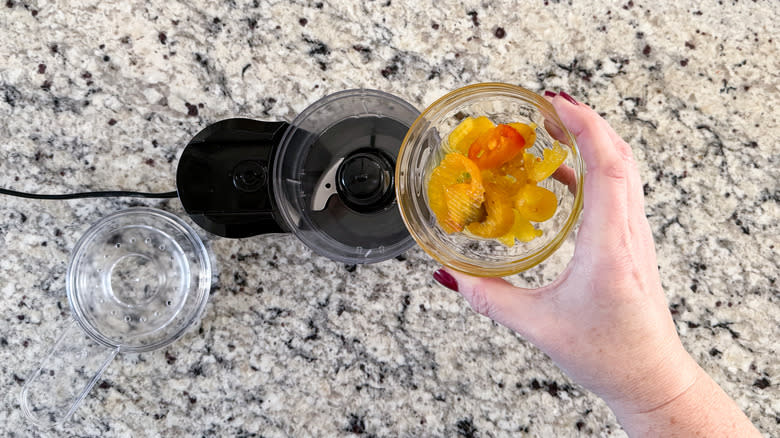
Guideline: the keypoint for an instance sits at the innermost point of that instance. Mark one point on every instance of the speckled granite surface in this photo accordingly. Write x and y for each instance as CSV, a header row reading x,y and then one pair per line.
x,y
101,95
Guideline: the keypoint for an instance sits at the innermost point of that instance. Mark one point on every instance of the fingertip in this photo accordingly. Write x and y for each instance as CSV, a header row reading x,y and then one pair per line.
x,y
495,297
466,282
595,143
446,279
575,117
568,98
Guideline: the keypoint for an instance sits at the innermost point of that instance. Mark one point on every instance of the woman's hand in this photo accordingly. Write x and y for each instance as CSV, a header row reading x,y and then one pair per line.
x,y
605,321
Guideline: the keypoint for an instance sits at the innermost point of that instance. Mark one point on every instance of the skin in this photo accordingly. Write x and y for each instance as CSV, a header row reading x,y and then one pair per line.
x,y
605,321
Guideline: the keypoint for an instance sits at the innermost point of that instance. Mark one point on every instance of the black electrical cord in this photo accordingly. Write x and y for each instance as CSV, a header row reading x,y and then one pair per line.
x,y
100,194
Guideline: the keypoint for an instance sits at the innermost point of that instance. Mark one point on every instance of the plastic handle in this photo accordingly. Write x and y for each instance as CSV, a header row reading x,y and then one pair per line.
x,y
66,375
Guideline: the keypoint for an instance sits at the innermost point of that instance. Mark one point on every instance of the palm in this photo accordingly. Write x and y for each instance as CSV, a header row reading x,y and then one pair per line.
x,y
610,293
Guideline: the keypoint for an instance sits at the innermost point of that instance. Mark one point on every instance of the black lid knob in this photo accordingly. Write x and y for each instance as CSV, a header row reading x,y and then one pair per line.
x,y
250,176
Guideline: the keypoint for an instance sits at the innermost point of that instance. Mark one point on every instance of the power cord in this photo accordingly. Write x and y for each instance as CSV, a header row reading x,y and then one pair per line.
x,y
99,194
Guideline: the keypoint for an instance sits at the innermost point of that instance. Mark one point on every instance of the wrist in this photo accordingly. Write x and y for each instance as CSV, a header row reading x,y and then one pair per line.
x,y
659,380
703,409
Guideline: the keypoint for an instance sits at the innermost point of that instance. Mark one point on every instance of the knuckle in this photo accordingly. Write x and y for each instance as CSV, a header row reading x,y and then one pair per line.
x,y
616,169
625,150
480,301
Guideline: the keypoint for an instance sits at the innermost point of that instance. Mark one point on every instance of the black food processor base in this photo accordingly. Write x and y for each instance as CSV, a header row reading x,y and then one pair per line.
x,y
224,174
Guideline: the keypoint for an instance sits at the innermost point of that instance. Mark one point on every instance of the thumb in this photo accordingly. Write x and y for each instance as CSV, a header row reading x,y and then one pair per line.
x,y
602,156
606,181
516,308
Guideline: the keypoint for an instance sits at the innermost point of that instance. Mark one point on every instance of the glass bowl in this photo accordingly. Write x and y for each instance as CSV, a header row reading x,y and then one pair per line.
x,y
424,147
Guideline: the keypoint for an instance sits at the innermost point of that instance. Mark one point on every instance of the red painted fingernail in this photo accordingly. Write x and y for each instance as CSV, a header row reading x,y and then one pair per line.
x,y
549,93
564,95
445,279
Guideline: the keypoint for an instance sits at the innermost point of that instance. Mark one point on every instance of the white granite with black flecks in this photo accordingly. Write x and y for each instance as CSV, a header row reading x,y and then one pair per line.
x,y
103,95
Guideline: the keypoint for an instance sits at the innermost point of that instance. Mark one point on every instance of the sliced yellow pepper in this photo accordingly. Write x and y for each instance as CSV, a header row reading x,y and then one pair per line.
x,y
499,217
536,203
461,138
540,169
522,230
455,192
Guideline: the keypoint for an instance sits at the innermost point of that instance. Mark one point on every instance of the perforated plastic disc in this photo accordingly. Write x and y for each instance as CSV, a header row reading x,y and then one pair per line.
x,y
138,278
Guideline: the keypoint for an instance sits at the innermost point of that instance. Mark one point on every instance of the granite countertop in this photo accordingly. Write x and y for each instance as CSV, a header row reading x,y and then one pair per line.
x,y
104,95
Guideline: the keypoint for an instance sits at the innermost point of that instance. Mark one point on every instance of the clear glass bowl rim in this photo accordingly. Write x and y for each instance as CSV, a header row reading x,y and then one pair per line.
x,y
442,106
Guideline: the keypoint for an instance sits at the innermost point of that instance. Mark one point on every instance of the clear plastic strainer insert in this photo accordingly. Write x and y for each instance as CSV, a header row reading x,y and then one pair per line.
x,y
136,281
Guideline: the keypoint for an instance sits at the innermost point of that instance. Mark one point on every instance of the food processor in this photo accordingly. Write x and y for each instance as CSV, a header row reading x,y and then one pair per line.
x,y
327,176
140,277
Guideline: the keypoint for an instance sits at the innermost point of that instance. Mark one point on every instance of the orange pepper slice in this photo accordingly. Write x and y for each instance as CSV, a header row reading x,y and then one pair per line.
x,y
496,146
527,131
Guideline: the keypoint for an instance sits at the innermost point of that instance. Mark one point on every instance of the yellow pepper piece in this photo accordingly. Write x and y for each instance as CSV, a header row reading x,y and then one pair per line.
x,y
522,230
461,138
536,203
540,169
515,169
499,217
455,192
463,205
